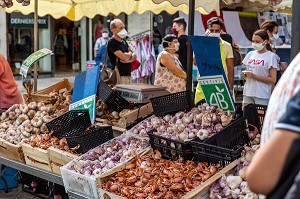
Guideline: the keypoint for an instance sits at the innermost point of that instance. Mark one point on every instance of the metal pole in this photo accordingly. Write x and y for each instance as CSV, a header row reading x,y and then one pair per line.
x,y
36,43
90,40
295,29
190,50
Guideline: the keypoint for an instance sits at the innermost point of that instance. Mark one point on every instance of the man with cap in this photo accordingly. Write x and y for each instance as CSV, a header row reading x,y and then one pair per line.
x,y
101,40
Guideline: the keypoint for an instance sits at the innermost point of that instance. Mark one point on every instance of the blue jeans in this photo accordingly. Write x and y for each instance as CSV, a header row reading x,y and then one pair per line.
x,y
255,100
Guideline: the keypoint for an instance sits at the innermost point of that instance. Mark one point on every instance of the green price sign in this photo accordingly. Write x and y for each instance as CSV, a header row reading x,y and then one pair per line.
x,y
216,92
86,103
29,61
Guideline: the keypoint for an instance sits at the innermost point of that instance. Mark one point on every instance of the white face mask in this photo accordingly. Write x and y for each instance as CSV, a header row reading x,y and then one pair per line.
x,y
105,35
276,36
258,46
214,34
177,46
122,34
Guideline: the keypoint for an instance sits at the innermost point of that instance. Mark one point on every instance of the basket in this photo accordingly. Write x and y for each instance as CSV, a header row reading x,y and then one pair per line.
x,y
172,103
111,98
255,114
170,149
91,138
70,123
224,147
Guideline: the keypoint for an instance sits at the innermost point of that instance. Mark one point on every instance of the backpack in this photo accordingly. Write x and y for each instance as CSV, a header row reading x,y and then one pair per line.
x,y
237,57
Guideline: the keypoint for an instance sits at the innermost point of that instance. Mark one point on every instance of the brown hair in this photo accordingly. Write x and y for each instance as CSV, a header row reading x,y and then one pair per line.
x,y
269,25
215,20
180,21
264,35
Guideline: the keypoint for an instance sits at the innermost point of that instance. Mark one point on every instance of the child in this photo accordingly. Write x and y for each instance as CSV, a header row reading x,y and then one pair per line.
x,y
260,74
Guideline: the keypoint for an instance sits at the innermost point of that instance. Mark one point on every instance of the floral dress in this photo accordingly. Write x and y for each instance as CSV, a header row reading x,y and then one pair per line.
x,y
164,77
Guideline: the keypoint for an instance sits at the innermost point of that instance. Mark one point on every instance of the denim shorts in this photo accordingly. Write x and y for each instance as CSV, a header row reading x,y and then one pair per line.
x,y
255,100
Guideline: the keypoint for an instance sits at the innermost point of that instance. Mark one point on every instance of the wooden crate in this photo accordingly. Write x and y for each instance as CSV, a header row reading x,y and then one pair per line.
x,y
59,158
11,151
198,192
132,116
88,186
43,94
36,157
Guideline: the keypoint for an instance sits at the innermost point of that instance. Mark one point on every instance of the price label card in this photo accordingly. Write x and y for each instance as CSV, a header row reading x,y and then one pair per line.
x,y
29,61
216,92
88,103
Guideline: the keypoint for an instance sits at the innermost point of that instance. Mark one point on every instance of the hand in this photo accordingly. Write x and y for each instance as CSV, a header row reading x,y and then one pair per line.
x,y
248,74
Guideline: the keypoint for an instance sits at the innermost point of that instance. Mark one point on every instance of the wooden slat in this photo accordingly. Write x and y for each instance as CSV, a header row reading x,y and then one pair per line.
x,y
59,158
11,151
64,84
36,157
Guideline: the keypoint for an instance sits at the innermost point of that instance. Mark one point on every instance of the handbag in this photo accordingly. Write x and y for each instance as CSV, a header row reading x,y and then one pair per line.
x,y
110,76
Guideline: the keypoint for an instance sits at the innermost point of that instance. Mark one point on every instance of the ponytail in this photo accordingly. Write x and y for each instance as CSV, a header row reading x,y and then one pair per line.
x,y
268,46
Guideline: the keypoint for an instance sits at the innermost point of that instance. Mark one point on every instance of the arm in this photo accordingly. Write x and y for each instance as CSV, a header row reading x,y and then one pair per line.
x,y
125,57
230,70
271,79
170,64
265,168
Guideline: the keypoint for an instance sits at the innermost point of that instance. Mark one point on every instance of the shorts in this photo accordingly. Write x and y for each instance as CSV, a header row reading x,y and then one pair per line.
x,y
255,100
125,79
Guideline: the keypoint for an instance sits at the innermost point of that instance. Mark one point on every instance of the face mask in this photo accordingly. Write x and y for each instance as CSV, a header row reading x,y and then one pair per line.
x,y
122,34
105,35
174,31
214,34
257,47
276,36
176,46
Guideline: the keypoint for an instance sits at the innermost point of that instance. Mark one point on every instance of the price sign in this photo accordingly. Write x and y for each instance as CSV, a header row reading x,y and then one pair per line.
x,y
216,92
86,103
29,61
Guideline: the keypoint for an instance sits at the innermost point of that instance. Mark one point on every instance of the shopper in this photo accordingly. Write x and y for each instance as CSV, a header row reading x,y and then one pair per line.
x,y
9,92
169,72
101,56
260,73
179,26
275,167
118,51
271,27
101,41
215,26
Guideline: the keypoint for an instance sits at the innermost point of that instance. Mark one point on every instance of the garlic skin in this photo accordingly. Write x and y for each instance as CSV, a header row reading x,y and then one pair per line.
x,y
234,181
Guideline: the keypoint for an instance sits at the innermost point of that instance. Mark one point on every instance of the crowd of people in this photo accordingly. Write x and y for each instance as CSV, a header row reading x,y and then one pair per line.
x,y
274,171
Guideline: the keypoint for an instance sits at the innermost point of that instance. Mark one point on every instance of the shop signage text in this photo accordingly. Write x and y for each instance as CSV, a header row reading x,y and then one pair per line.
x,y
25,21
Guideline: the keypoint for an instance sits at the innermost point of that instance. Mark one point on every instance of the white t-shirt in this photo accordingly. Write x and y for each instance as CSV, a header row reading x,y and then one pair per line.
x,y
259,64
287,87
99,42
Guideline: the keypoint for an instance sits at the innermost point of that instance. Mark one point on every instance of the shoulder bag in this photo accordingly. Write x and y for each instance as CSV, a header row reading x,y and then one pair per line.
x,y
108,76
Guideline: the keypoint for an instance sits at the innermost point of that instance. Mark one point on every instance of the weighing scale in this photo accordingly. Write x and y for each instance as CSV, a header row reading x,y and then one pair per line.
x,y
140,93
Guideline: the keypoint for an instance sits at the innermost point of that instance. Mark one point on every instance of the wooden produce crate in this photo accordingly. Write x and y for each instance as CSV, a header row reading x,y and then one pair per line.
x,y
59,158
43,94
88,186
132,116
11,151
199,192
36,157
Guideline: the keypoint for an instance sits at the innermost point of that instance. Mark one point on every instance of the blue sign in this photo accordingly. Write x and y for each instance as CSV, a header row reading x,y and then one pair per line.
x,y
86,84
208,57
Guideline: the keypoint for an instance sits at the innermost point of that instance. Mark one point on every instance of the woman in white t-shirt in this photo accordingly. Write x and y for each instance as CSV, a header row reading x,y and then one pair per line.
x,y
260,73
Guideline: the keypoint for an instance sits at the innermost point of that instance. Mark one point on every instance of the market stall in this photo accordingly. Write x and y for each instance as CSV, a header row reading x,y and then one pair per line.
x,y
91,163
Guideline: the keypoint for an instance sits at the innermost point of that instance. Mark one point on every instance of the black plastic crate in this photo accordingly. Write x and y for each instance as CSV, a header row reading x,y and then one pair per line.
x,y
70,123
255,114
91,138
172,103
223,147
111,98
170,149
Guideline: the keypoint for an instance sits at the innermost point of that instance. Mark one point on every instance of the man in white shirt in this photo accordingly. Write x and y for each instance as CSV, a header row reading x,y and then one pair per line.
x,y
101,40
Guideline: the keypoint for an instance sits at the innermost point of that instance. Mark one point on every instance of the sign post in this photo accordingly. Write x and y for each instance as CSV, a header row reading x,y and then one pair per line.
x,y
86,103
29,61
216,92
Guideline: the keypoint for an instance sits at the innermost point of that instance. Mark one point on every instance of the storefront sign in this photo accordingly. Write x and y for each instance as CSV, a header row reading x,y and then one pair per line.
x,y
26,21
29,61
88,103
216,92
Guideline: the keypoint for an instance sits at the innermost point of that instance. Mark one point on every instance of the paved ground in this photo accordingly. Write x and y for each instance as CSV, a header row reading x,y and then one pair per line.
x,y
16,193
